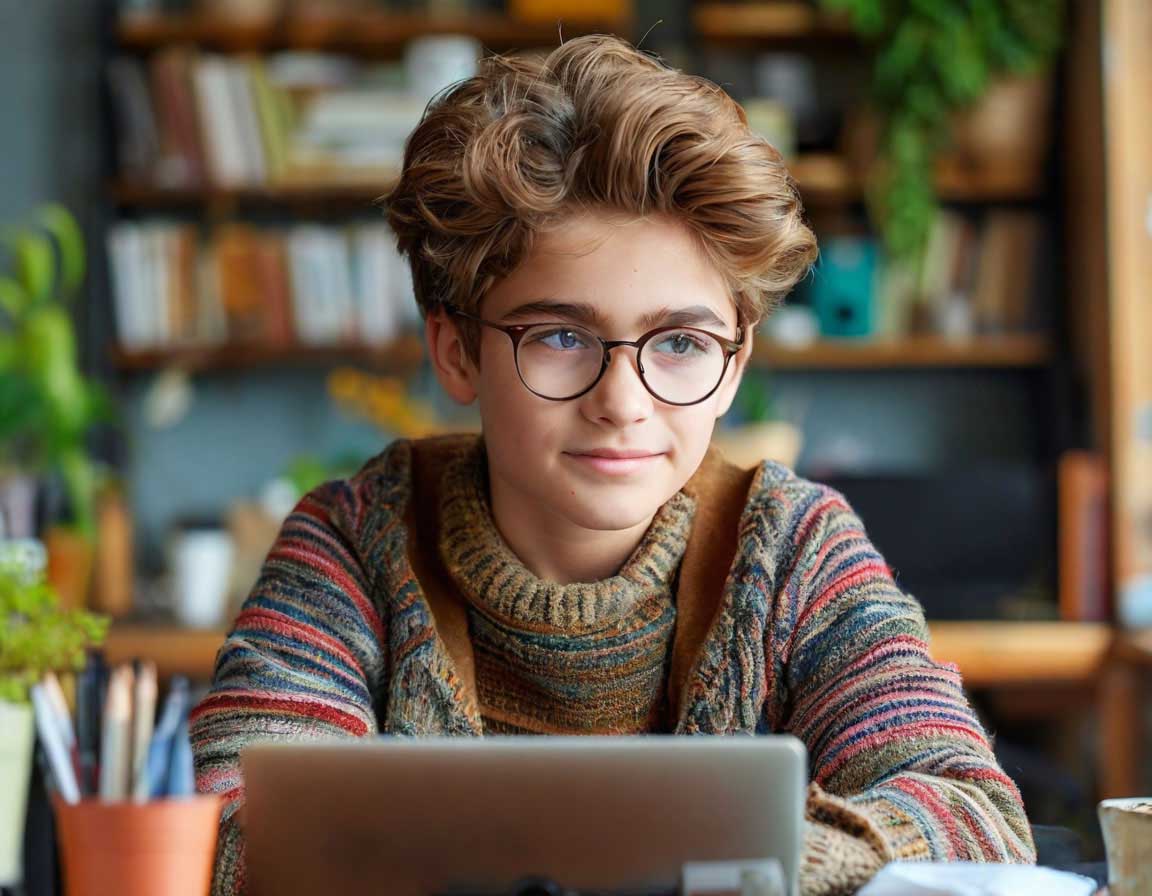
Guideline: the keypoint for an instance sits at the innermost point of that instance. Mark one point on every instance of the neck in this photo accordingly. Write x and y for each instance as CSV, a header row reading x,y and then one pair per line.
x,y
553,548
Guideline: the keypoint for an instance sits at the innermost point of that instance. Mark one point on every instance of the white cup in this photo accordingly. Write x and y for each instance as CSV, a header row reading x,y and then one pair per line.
x,y
1127,827
200,561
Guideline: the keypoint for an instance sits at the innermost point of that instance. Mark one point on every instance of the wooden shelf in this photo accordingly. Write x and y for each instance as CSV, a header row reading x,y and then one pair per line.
x,y
176,651
1023,350
823,179
987,653
369,33
827,179
401,356
337,194
738,22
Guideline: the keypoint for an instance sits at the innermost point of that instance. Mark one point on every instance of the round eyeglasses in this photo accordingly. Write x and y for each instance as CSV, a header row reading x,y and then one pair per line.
x,y
559,362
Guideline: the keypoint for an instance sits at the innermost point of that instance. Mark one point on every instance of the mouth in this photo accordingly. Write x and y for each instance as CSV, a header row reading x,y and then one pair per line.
x,y
604,460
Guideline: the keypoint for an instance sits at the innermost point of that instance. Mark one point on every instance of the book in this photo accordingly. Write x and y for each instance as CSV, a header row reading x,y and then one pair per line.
x,y
1084,561
181,162
137,136
1002,299
223,143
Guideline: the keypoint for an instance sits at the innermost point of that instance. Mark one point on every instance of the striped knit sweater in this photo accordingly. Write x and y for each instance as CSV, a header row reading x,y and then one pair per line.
x,y
810,636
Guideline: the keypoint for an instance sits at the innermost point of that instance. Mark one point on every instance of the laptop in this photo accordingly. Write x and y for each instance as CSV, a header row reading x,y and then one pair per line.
x,y
460,815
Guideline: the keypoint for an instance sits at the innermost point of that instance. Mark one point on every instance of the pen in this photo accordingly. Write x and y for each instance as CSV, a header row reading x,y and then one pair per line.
x,y
58,760
63,719
163,738
89,700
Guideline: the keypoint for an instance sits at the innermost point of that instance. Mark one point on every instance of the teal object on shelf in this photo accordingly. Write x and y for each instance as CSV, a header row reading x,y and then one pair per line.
x,y
842,288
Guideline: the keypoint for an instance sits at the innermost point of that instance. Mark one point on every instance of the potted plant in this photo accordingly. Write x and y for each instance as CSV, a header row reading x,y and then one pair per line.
x,y
47,406
36,636
933,65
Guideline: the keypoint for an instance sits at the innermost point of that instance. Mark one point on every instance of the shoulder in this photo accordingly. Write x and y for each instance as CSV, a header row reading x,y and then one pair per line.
x,y
794,508
377,495
804,536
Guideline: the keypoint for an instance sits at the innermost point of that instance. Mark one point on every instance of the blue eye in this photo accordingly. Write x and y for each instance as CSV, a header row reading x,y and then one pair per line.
x,y
681,344
563,340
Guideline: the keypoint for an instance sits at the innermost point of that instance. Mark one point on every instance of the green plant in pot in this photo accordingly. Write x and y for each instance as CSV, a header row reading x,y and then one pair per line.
x,y
36,636
931,61
47,406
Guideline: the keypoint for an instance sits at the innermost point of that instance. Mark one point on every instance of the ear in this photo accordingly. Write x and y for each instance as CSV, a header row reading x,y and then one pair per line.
x,y
454,369
726,394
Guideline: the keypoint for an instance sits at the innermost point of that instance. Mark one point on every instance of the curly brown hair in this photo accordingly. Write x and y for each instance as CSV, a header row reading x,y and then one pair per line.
x,y
513,150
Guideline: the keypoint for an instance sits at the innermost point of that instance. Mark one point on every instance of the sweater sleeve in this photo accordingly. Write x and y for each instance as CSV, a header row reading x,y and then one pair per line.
x,y
901,767
302,661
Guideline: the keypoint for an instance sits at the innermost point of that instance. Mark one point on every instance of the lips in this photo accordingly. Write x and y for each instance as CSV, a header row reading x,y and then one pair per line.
x,y
615,462
616,454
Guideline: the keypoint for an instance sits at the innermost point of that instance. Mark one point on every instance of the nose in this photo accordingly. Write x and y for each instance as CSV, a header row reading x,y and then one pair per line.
x,y
620,397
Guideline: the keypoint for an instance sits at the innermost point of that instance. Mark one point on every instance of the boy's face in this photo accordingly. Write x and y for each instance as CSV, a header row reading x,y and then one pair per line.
x,y
629,276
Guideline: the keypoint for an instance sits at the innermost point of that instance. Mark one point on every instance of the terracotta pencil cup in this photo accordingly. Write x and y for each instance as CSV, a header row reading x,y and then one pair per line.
x,y
162,848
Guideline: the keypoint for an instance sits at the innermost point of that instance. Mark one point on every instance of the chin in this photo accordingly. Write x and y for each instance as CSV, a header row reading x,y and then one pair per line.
x,y
604,511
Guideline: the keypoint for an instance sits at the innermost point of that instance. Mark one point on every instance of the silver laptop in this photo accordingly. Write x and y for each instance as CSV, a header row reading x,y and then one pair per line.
x,y
418,817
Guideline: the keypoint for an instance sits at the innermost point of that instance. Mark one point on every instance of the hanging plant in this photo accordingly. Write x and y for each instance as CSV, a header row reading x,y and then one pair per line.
x,y
931,59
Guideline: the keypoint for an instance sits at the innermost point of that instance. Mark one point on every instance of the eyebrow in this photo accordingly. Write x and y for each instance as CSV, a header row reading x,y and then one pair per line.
x,y
583,313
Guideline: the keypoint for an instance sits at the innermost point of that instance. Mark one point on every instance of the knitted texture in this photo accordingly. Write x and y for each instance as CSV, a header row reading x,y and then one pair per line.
x,y
812,637
582,658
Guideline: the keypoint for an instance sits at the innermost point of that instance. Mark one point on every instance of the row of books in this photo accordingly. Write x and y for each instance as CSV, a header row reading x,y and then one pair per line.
x,y
980,275
309,285
189,119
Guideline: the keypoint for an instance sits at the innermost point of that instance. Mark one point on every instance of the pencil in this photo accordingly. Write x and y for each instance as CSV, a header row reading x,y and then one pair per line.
x,y
143,719
116,744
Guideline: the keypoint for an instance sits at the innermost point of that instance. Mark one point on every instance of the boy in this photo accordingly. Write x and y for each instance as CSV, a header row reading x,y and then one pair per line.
x,y
593,238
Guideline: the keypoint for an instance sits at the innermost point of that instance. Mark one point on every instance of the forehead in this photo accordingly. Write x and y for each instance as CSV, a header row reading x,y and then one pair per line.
x,y
623,267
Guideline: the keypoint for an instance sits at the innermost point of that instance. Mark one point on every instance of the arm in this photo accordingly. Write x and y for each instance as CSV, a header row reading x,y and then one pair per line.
x,y
302,660
901,767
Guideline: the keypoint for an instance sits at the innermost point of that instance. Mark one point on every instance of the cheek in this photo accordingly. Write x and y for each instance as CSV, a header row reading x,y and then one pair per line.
x,y
693,425
515,420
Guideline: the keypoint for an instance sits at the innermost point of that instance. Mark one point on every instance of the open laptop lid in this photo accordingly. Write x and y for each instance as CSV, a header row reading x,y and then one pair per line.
x,y
416,817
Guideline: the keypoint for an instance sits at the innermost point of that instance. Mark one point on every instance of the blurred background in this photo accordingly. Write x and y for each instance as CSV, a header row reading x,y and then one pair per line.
x,y
202,313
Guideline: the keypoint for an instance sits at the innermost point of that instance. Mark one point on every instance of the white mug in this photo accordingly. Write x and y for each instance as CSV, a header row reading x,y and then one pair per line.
x,y
1127,827
200,561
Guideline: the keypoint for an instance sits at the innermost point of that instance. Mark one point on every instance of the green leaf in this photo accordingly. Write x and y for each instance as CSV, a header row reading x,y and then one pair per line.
x,y
101,407
36,635
60,223
35,264
14,298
